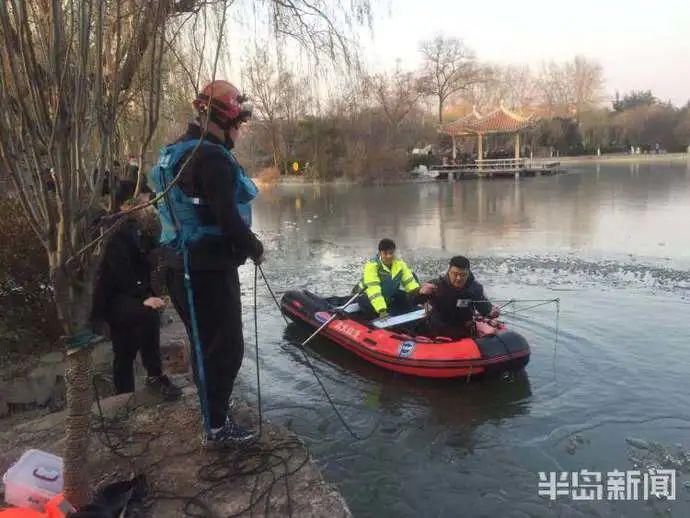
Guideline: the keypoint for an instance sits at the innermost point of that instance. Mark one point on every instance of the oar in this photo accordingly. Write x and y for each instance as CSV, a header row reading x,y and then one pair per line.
x,y
332,318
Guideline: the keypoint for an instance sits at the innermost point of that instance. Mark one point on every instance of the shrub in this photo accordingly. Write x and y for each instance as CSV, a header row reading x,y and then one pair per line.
x,y
28,320
267,175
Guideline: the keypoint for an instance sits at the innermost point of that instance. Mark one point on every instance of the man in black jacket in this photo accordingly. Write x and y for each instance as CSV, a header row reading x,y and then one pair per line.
x,y
210,178
124,298
454,297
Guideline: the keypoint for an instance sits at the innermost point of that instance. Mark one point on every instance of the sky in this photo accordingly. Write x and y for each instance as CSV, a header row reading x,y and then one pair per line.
x,y
640,44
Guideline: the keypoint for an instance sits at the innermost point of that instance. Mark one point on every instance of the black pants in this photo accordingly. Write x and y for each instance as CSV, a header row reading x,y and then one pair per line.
x,y
218,308
455,330
133,328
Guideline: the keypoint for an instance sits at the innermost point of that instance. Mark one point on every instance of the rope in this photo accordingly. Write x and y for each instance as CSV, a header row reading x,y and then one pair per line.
x,y
268,466
309,363
196,341
542,303
505,304
232,467
252,460
270,290
520,300
116,436
256,343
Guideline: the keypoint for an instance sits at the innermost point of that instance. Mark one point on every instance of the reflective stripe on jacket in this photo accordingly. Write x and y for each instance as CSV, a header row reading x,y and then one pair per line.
x,y
380,282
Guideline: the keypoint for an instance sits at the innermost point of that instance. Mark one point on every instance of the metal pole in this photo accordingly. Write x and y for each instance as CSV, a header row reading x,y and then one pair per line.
x,y
332,318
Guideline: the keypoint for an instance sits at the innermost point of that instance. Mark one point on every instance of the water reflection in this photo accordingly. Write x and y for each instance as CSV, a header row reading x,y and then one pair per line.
x,y
394,399
601,209
450,448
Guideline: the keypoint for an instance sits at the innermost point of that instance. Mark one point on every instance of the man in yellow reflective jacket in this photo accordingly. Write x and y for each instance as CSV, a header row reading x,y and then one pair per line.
x,y
388,283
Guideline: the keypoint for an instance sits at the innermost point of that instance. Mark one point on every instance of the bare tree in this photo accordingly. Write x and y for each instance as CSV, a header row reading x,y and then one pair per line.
x,y
67,73
318,26
556,90
587,81
512,85
266,84
68,70
449,67
396,94
296,101
570,88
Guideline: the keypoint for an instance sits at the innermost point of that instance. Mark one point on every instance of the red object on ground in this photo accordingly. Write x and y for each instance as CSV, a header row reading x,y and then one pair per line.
x,y
56,507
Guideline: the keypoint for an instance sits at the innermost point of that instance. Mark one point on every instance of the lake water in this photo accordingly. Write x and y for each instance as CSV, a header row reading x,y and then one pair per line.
x,y
612,242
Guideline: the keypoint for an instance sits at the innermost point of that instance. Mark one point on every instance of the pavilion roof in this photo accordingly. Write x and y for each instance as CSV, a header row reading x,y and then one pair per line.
x,y
500,120
463,126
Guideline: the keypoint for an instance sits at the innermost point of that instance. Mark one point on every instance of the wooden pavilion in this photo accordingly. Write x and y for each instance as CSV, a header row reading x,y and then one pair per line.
x,y
500,121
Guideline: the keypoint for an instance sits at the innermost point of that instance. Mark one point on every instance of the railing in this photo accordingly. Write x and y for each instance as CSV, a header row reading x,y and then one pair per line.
x,y
494,164
497,164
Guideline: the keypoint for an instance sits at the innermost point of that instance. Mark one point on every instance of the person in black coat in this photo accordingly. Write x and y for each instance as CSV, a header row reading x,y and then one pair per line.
x,y
207,175
125,299
454,297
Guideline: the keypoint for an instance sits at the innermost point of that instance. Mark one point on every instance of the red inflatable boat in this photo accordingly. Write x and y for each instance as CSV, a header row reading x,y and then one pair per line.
x,y
495,349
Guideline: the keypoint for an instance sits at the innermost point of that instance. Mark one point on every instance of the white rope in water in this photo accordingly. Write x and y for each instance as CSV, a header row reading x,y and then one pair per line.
x,y
542,302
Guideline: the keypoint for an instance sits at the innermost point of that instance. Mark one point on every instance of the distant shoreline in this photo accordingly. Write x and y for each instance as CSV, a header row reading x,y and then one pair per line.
x,y
620,158
565,161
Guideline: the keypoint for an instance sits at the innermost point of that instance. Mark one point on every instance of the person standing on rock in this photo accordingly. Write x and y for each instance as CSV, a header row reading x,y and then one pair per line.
x,y
206,235
124,298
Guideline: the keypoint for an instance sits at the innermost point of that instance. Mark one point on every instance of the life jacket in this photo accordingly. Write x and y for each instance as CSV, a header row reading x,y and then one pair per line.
x,y
180,222
381,283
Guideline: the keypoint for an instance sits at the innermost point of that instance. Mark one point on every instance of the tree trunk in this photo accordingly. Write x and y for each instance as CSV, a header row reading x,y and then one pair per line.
x,y
77,426
440,111
73,304
277,159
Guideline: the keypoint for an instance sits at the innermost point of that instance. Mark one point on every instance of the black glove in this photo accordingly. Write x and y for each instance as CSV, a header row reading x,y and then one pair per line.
x,y
256,250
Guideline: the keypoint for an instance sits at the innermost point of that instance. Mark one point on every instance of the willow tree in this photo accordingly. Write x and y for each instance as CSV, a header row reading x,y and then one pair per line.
x,y
68,70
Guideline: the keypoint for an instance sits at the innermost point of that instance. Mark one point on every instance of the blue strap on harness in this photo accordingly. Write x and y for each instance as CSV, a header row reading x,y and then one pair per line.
x,y
196,340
